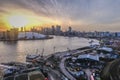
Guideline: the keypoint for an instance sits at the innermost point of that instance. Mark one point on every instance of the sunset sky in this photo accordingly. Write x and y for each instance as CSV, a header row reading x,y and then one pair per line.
x,y
82,15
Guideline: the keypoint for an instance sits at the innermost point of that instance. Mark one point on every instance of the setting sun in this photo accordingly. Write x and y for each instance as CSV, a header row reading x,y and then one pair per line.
x,y
18,20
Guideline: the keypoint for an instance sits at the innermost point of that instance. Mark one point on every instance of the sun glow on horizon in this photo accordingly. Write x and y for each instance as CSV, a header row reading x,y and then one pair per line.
x,y
18,20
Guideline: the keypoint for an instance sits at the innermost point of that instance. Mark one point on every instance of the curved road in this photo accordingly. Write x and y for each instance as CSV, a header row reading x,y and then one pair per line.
x,y
63,69
62,64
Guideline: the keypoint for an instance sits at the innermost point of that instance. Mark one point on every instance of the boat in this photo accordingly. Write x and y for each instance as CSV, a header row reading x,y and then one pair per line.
x,y
31,58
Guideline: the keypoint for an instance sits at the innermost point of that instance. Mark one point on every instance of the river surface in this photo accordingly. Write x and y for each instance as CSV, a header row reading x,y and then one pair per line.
x,y
16,51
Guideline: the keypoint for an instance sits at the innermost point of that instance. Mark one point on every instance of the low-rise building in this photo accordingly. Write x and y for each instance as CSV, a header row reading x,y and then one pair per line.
x,y
11,34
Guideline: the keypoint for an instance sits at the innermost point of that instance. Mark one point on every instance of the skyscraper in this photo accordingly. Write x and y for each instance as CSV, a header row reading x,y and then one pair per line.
x,y
58,30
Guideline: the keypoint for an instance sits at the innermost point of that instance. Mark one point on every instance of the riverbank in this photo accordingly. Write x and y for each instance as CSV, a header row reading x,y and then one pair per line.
x,y
28,39
63,66
19,49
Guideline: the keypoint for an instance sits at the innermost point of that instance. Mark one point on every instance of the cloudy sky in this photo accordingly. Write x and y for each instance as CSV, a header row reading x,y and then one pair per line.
x,y
83,15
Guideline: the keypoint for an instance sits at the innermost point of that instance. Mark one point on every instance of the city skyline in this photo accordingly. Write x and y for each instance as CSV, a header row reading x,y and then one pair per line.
x,y
83,15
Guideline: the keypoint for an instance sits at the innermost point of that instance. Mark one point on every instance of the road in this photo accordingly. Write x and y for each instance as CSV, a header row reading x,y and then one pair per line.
x,y
63,69
52,75
88,72
62,63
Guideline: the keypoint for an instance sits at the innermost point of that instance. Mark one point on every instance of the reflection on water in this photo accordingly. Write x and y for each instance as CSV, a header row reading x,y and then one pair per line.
x,y
16,51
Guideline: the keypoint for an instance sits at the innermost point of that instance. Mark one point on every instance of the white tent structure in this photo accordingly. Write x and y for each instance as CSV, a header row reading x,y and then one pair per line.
x,y
30,35
94,57
106,49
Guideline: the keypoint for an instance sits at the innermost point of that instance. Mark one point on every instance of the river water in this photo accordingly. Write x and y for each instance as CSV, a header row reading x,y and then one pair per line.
x,y
16,51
